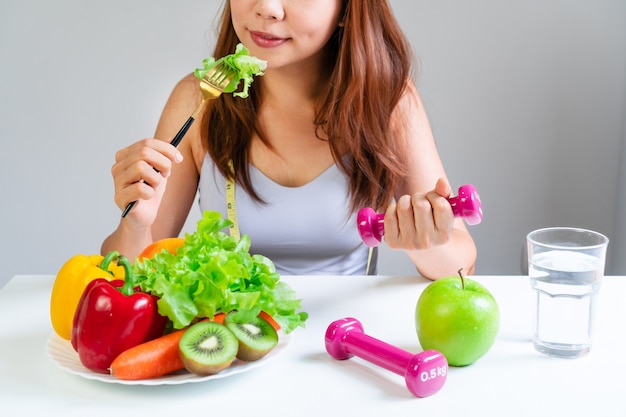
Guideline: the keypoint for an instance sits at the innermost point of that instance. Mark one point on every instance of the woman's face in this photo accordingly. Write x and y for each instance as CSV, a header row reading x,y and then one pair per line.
x,y
285,32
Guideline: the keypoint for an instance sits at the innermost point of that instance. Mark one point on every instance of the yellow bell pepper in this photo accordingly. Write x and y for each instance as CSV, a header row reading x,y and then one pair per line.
x,y
70,282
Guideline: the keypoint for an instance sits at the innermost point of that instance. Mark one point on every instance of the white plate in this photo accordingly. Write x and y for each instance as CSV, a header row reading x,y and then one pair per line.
x,y
63,354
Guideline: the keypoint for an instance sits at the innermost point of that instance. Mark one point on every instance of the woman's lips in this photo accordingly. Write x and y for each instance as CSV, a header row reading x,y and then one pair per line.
x,y
266,40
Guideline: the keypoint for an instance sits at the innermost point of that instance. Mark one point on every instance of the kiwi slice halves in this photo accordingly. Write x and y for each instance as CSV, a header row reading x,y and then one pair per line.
x,y
207,348
256,338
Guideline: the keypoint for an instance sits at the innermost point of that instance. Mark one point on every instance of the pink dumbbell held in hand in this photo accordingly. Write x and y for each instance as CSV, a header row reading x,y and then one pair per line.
x,y
466,204
424,373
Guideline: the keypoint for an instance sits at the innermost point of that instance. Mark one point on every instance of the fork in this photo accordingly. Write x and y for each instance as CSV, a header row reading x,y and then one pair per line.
x,y
212,86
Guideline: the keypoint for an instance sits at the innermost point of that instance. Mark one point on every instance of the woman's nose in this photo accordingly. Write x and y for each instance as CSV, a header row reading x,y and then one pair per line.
x,y
270,9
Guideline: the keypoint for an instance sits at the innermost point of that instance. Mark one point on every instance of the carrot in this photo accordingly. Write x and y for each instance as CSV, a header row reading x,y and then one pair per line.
x,y
151,359
219,318
270,320
154,358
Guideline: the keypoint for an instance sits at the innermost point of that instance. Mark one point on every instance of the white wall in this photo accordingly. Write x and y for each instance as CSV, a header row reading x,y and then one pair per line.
x,y
526,100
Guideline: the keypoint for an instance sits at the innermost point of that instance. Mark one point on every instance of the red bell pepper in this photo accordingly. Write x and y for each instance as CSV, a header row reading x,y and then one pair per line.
x,y
112,317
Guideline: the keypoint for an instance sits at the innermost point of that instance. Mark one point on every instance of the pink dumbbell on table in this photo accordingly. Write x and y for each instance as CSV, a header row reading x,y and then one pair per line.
x,y
424,373
466,204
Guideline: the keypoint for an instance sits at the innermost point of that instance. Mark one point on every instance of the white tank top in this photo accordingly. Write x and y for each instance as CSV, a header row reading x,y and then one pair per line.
x,y
307,230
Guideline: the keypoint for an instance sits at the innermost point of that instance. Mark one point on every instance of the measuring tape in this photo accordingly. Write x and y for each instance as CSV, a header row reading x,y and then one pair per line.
x,y
231,206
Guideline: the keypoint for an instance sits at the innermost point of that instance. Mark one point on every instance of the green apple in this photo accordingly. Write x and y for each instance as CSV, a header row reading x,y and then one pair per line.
x,y
458,317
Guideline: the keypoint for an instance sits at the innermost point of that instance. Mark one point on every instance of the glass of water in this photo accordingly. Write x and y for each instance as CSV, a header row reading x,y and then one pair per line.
x,y
565,267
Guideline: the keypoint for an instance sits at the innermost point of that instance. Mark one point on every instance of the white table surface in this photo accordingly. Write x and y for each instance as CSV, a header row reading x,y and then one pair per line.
x,y
510,380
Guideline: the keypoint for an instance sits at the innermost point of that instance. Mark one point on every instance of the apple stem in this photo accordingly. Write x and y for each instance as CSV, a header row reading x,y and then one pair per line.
x,y
462,279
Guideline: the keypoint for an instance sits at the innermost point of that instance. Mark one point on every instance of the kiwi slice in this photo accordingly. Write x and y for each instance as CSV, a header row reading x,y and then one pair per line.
x,y
256,338
207,348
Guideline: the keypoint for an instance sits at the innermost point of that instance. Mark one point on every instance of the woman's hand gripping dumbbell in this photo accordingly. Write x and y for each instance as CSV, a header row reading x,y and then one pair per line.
x,y
466,204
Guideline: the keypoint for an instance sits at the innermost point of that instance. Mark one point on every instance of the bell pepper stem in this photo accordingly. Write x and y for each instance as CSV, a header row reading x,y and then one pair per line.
x,y
129,282
108,258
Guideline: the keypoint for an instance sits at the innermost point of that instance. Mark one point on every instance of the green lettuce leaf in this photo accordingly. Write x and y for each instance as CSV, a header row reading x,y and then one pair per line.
x,y
245,65
213,273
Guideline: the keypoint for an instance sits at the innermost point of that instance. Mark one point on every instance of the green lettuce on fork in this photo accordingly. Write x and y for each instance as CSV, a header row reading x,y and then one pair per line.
x,y
245,65
214,273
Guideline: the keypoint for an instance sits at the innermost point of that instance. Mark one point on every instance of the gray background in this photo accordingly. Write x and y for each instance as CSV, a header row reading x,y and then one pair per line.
x,y
526,100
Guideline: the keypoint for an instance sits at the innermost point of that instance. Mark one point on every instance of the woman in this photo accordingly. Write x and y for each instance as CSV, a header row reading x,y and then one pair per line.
x,y
335,124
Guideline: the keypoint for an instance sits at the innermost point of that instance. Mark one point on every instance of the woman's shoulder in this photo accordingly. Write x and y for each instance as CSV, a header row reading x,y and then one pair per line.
x,y
187,89
182,101
410,93
409,105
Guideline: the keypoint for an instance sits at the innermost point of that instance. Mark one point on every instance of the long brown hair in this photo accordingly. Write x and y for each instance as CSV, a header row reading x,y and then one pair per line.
x,y
370,61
